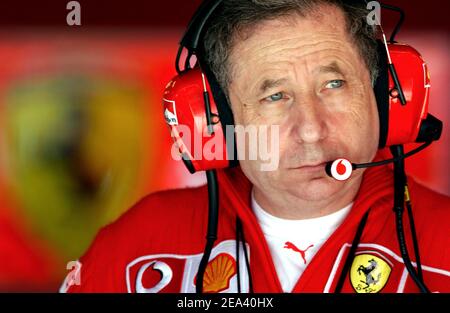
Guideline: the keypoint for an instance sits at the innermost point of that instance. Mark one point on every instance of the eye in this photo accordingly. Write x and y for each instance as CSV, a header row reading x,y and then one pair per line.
x,y
332,84
275,97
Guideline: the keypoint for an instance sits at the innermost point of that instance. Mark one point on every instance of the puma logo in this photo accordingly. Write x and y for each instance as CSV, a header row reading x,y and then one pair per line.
x,y
290,245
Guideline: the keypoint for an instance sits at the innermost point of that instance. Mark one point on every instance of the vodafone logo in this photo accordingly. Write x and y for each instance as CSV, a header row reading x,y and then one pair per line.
x,y
341,169
165,272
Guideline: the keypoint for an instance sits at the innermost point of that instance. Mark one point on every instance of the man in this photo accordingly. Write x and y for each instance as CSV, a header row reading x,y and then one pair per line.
x,y
307,66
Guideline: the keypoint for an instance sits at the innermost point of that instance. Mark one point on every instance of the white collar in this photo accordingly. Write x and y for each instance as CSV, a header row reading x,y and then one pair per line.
x,y
279,227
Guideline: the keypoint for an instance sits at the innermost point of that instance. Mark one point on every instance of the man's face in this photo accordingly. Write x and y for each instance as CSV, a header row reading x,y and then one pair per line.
x,y
305,74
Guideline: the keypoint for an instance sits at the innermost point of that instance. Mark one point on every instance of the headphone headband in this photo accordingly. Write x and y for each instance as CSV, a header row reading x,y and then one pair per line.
x,y
191,37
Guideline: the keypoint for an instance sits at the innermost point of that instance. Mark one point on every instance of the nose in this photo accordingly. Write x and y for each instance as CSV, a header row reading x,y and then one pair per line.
x,y
309,120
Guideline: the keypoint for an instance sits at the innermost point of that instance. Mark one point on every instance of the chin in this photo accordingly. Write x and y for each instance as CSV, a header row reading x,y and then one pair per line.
x,y
315,189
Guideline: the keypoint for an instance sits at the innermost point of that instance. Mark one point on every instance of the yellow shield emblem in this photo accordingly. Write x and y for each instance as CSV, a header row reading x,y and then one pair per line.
x,y
369,273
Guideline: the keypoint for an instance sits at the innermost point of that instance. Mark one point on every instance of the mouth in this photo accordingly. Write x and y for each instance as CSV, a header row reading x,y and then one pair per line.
x,y
312,167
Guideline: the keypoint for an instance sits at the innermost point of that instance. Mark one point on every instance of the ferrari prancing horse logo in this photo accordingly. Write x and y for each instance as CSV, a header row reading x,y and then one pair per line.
x,y
369,273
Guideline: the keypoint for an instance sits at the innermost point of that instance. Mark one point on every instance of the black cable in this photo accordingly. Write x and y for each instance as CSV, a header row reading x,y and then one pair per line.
x,y
237,256
247,261
404,252
213,220
398,86
414,237
399,198
391,66
351,253
400,21
395,159
209,123
411,221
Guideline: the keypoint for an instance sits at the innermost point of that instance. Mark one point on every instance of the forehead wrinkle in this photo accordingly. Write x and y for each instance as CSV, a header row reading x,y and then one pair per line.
x,y
279,55
278,47
287,67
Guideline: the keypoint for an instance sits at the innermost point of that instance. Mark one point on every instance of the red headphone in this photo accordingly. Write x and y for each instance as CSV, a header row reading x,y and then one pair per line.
x,y
193,100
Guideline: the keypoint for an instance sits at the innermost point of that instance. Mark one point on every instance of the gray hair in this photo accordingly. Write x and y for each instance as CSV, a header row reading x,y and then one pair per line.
x,y
234,17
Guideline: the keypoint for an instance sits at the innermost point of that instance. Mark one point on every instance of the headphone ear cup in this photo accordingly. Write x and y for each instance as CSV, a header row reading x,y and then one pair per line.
x,y
185,114
409,122
381,91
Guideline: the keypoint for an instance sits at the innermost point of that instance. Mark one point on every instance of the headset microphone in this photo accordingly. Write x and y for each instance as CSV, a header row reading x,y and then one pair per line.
x,y
341,169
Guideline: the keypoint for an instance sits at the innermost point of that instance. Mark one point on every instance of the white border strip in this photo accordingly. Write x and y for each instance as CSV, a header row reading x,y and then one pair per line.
x,y
385,250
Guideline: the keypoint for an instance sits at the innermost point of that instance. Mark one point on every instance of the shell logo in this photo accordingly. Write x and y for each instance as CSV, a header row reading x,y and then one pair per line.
x,y
218,273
